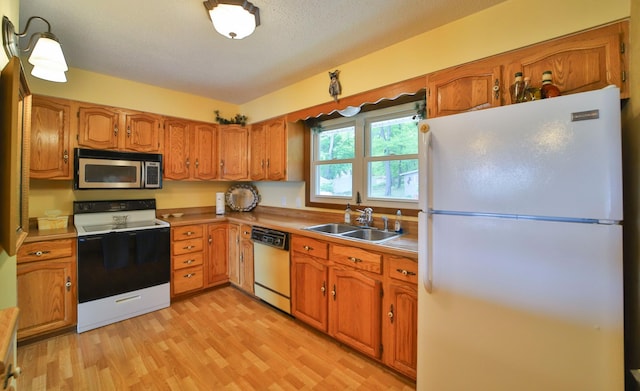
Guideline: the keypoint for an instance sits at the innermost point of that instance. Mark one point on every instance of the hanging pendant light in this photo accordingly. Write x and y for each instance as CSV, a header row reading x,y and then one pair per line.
x,y
235,19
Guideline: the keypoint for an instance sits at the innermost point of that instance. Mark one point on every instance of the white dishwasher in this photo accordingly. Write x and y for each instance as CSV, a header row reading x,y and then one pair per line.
x,y
272,271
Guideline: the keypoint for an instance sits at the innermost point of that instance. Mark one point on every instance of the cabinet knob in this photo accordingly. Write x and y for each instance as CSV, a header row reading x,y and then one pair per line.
x,y
189,233
68,283
355,260
189,247
189,275
65,156
39,253
189,261
333,292
496,88
197,163
307,248
115,130
323,288
128,131
390,313
187,163
405,272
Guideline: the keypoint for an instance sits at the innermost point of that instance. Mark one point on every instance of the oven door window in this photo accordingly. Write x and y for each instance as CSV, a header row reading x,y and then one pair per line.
x,y
120,262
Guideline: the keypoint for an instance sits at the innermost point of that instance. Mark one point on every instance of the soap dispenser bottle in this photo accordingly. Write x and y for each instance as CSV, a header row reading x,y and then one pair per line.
x,y
347,214
398,224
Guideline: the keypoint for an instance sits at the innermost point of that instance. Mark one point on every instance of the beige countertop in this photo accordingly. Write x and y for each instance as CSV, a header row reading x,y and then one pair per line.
x,y
288,220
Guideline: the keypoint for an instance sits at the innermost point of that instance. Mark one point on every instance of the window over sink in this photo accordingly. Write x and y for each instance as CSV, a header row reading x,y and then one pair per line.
x,y
371,157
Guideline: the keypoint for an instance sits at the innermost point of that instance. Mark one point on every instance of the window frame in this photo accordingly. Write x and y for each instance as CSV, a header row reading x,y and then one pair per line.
x,y
361,161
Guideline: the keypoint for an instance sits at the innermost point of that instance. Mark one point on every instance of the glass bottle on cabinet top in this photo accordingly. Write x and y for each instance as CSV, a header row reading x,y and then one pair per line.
x,y
517,88
548,89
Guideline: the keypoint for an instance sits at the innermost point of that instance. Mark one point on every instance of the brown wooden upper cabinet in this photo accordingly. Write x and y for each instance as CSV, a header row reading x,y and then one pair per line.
x,y
464,88
580,62
276,150
233,149
191,150
51,148
102,127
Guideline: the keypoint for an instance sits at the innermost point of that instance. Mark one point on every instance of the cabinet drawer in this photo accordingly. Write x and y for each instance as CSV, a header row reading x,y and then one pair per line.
x,y
51,249
187,246
187,260
186,280
309,246
187,232
356,257
245,231
403,269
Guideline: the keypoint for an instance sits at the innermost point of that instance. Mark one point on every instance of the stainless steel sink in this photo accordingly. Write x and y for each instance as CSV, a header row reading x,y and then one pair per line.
x,y
372,235
353,232
333,228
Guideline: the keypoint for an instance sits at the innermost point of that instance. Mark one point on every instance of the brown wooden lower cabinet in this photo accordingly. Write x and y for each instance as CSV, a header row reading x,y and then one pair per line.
x,y
339,290
47,293
241,257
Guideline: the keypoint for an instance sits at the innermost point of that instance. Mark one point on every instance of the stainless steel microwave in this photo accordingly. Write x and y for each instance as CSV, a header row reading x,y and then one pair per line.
x,y
104,169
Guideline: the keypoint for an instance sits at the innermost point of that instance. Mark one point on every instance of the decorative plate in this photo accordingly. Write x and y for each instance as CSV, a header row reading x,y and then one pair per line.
x,y
242,197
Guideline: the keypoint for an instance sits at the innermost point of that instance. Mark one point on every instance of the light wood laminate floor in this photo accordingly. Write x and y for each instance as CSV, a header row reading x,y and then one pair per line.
x,y
219,340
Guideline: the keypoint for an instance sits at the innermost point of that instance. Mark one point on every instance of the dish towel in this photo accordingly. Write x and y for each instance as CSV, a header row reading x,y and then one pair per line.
x,y
146,246
115,249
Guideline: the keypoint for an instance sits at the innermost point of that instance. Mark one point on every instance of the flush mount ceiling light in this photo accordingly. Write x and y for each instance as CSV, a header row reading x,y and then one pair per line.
x,y
46,54
234,19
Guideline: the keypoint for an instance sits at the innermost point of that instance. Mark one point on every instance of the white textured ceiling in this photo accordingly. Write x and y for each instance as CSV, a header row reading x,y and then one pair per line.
x,y
172,44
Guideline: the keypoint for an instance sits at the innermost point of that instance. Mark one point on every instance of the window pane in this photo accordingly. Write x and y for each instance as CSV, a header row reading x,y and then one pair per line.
x,y
337,144
397,136
334,179
394,179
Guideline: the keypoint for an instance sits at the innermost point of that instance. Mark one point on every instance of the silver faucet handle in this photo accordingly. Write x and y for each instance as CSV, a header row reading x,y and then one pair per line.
x,y
385,220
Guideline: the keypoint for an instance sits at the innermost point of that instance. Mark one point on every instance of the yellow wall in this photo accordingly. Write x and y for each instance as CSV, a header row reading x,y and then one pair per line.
x,y
8,289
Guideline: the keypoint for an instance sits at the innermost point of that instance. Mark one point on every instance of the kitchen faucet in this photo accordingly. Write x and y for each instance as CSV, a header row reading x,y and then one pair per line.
x,y
366,217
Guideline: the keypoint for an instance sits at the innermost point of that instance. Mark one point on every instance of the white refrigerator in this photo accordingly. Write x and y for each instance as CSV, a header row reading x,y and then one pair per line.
x,y
520,247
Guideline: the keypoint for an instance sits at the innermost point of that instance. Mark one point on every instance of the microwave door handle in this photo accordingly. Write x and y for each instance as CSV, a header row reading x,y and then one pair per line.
x,y
142,176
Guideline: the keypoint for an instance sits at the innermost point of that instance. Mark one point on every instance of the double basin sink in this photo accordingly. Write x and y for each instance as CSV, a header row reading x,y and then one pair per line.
x,y
353,232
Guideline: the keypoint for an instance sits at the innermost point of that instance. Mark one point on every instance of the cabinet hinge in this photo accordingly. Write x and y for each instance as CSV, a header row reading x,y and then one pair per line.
x,y
622,47
624,76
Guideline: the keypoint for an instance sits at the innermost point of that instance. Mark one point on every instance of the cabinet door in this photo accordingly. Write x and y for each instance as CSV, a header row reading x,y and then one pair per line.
x,y
401,328
50,141
217,267
309,291
276,149
46,296
258,151
355,310
246,265
465,88
176,151
98,127
234,254
583,62
234,145
205,151
142,132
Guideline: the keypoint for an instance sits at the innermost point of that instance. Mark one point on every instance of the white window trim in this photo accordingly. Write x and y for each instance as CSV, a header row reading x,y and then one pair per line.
x,y
360,162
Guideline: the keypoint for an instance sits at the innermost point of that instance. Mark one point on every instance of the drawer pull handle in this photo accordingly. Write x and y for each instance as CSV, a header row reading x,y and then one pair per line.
x,y
39,253
245,232
189,247
189,275
355,260
189,233
405,272
11,373
189,261
307,248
